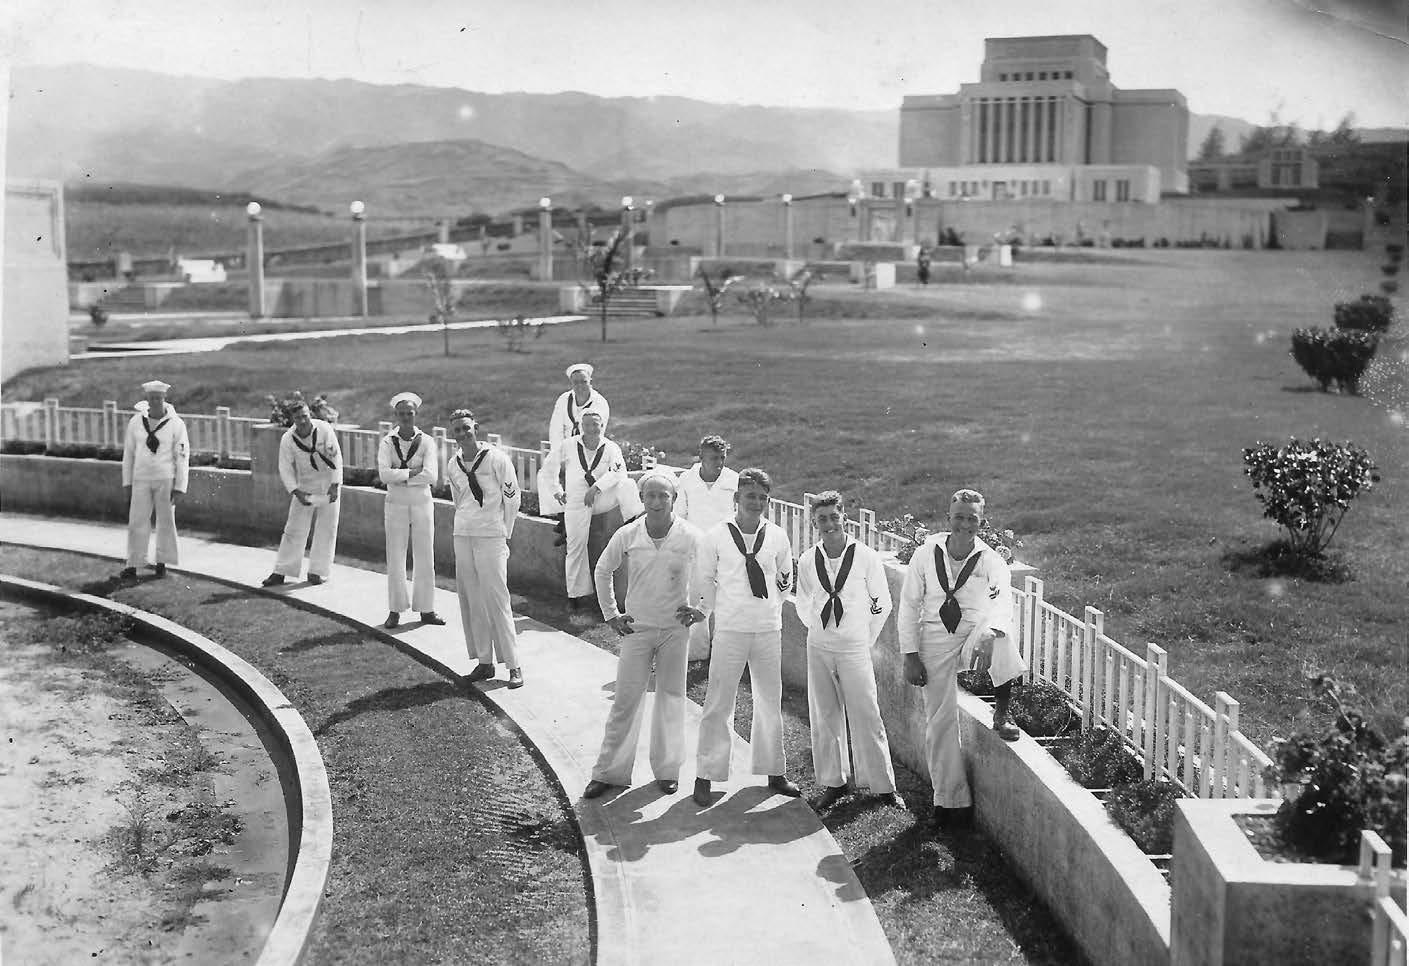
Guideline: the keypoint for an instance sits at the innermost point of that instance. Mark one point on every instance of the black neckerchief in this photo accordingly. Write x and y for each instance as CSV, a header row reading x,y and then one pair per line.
x,y
582,458
312,450
475,489
415,445
950,612
758,583
832,609
153,443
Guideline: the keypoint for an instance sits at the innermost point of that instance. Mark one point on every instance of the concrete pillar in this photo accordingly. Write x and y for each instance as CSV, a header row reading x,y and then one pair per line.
x,y
788,226
255,261
718,225
1041,153
359,259
545,239
442,232
991,135
628,232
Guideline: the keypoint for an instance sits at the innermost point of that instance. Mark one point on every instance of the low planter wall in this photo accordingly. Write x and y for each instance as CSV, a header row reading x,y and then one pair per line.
x,y
1234,908
1106,893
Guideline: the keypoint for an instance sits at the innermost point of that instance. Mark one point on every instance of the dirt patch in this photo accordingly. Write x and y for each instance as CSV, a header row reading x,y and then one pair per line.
x,y
114,838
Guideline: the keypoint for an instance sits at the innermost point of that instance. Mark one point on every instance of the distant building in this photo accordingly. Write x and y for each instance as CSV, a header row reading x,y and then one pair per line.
x,y
1278,169
1043,122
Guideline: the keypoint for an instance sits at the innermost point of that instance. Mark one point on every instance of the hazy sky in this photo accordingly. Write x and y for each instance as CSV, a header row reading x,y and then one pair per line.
x,y
1310,62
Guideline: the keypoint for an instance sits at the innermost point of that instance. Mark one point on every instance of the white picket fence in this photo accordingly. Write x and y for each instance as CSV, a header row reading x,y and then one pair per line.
x,y
1389,929
220,435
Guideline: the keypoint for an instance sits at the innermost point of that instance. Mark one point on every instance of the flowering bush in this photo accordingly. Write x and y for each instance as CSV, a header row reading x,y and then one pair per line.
x,y
639,456
1005,542
281,408
1307,487
1351,778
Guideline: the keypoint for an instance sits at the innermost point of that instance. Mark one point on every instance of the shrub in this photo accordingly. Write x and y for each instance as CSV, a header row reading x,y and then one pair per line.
x,y
1305,488
1145,810
98,315
1100,760
1351,778
1338,356
1042,710
361,476
1005,542
639,456
23,447
1389,286
280,408
73,451
529,504
1369,313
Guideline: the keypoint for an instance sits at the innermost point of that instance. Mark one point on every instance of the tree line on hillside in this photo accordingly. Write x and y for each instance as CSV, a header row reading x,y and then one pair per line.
x,y
149,194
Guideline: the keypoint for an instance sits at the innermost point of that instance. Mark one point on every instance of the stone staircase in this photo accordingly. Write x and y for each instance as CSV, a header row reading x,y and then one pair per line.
x,y
627,302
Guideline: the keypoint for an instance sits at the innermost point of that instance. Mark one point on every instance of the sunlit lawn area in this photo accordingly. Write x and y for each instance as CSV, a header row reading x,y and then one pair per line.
x,y
1103,409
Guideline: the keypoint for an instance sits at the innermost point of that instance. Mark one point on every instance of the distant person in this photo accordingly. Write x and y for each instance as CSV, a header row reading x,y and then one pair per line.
x,y
566,420
843,601
662,600
156,468
485,488
310,467
591,467
706,497
745,570
956,609
408,462
922,265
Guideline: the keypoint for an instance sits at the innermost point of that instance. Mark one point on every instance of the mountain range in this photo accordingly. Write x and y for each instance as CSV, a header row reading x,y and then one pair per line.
x,y
431,150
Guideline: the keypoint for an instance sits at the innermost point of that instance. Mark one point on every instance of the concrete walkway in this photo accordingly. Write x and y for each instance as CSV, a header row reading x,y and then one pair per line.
x,y
756,878
172,347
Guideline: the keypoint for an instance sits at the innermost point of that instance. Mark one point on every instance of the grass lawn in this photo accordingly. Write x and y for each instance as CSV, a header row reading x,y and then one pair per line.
x,y
1102,408
450,845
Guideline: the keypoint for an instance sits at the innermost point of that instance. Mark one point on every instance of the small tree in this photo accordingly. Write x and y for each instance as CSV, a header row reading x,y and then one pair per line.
x,y
760,298
1338,356
1305,488
437,273
715,288
799,283
515,331
1214,145
603,265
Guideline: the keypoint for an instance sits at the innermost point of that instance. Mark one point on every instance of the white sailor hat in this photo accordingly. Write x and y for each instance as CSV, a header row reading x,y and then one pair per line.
x,y
582,366
156,385
410,397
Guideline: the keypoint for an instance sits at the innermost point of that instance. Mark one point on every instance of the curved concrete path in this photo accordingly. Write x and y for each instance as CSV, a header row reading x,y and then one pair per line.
x,y
754,879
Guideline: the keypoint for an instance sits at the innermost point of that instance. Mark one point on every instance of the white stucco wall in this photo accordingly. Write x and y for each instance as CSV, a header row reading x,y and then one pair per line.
x,y
34,290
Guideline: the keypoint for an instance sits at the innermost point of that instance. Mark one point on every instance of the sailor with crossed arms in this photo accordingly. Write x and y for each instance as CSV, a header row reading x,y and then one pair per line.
x,y
310,467
485,489
408,462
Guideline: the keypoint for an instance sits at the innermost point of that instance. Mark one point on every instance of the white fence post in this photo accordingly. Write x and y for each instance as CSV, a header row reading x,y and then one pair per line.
x,y
1095,620
442,449
1225,720
222,431
1037,626
51,422
1155,667
111,432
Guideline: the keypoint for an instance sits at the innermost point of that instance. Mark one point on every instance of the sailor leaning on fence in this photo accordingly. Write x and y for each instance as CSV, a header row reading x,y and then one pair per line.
x,y
408,462
956,611
485,489
310,467
156,467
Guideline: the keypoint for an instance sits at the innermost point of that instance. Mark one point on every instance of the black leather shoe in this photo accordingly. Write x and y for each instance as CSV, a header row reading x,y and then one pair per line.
x,y
702,794
891,799
516,677
431,617
668,785
482,672
314,580
393,621
1006,729
781,785
595,789
273,580
161,570
939,819
127,573
831,796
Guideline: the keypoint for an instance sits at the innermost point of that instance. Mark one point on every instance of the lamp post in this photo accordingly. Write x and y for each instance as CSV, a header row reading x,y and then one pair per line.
x,y
788,227
853,201
545,238
359,258
628,230
254,260
719,226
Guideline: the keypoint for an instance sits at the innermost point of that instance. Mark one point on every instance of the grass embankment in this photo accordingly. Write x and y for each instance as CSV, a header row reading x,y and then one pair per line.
x,y
1103,410
450,845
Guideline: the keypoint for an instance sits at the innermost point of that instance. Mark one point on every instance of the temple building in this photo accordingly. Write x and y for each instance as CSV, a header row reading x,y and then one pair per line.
x,y
1043,122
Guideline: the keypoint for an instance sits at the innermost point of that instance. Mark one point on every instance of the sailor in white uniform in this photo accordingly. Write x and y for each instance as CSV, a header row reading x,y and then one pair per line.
x,y
594,468
746,569
566,422
956,611
707,498
843,600
408,463
156,468
485,488
310,467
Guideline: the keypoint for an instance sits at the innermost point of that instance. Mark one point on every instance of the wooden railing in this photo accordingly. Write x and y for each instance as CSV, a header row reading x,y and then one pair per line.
x,y
1389,935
